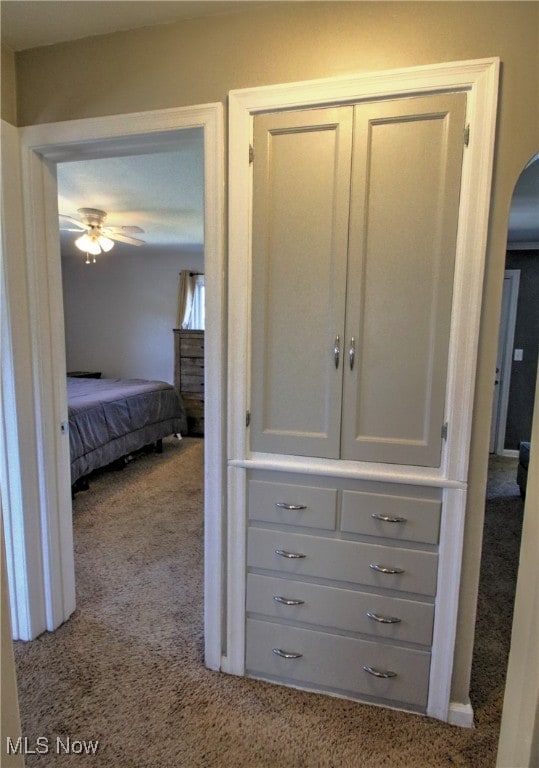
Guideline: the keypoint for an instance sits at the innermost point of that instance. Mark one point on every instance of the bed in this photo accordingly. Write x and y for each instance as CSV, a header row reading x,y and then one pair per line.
x,y
112,418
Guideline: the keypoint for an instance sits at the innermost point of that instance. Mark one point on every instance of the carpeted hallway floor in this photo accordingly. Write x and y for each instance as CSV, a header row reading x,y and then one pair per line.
x,y
127,669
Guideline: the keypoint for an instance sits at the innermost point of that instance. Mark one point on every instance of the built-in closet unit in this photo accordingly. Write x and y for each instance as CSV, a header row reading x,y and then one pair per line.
x,y
343,485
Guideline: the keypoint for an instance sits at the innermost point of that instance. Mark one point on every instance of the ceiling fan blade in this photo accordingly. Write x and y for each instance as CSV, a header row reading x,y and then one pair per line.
x,y
125,239
124,230
71,229
73,220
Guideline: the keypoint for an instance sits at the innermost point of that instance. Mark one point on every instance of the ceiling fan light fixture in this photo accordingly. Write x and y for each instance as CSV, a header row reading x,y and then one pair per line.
x,y
105,242
88,244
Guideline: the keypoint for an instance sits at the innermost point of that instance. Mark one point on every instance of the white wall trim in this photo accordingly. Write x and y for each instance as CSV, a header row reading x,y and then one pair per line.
x,y
42,146
513,275
354,470
479,79
234,661
447,602
18,456
460,714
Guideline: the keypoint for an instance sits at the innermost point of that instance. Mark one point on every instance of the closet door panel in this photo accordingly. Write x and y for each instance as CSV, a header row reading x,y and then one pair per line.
x,y
301,181
407,159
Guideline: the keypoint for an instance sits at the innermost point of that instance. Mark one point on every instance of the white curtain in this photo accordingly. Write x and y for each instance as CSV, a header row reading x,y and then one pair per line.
x,y
197,312
186,291
190,300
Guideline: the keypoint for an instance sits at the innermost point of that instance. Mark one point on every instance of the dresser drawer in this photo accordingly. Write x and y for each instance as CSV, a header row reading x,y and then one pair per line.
x,y
341,560
367,613
291,504
337,663
192,383
192,345
392,516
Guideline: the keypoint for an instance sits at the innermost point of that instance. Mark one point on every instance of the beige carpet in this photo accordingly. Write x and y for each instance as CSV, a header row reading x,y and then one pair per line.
x,y
127,669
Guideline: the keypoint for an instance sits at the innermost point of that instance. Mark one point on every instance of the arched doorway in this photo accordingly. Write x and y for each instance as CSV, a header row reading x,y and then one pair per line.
x,y
506,514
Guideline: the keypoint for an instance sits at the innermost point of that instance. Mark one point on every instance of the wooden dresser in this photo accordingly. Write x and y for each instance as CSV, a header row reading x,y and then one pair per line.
x,y
189,376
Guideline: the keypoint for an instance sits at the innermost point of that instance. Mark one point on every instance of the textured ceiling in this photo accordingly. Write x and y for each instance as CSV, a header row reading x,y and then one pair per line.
x,y
163,193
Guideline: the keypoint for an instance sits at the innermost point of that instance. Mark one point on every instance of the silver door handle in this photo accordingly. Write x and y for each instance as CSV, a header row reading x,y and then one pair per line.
x,y
285,505
385,568
352,353
287,600
289,555
337,350
286,654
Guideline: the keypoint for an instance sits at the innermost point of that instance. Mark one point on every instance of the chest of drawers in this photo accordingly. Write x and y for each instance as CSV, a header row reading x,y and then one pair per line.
x,y
341,585
189,376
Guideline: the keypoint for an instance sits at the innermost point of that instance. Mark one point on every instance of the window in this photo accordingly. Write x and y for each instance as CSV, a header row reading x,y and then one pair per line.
x,y
197,316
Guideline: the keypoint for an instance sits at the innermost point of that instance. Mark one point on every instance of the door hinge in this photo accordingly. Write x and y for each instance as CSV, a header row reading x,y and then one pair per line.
x,y
445,426
251,154
467,135
247,418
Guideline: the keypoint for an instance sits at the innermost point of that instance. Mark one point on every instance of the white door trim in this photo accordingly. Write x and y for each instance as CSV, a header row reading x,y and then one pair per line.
x,y
480,80
513,275
18,460
42,146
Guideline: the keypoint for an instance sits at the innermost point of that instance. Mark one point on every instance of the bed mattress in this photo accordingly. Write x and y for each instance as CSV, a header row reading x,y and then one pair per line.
x,y
109,418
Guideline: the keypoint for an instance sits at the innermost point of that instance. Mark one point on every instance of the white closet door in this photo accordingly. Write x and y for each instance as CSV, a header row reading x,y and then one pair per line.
x,y
406,168
301,183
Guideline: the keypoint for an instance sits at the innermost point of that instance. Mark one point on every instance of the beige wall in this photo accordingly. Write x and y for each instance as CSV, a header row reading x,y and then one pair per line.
x,y
8,110
200,60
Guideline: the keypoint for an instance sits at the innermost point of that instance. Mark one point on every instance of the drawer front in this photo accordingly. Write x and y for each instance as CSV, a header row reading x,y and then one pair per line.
x,y
343,560
270,502
391,516
192,383
193,366
391,618
192,346
335,662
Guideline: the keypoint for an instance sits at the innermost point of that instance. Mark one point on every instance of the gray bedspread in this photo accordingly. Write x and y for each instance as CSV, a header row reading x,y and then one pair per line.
x,y
110,418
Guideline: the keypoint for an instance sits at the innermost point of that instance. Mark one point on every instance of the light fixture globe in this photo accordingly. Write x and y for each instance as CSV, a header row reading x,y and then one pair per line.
x,y
106,243
88,244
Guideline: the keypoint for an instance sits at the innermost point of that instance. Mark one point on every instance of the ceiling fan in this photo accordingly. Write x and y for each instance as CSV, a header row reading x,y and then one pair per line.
x,y
96,237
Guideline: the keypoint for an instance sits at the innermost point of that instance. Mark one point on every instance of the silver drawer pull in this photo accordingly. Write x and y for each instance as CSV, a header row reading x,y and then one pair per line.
x,y
385,673
383,619
287,601
286,654
289,555
385,568
388,519
285,505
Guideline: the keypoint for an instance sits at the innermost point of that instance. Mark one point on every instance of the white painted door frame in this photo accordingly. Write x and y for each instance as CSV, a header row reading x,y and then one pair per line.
x,y
480,81
505,356
47,580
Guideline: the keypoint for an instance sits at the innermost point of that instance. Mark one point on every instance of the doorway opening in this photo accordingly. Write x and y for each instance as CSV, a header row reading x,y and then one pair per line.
x,y
42,148
512,415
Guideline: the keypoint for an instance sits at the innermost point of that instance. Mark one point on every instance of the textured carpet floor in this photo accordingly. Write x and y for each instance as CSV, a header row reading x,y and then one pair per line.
x,y
127,669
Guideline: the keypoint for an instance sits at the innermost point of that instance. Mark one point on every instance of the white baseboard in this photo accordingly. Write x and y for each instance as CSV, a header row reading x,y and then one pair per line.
x,y
460,714
510,453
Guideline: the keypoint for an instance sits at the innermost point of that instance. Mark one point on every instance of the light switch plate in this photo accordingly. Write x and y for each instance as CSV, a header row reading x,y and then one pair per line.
x,y
518,355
